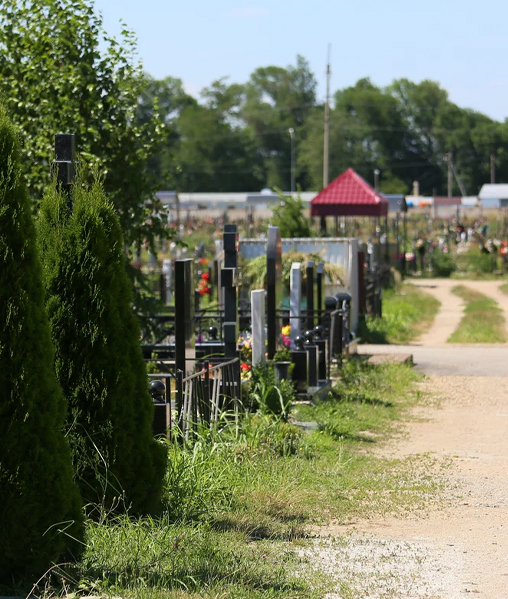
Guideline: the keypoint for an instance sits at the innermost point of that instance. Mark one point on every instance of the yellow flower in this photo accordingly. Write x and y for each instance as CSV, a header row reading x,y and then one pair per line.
x,y
286,330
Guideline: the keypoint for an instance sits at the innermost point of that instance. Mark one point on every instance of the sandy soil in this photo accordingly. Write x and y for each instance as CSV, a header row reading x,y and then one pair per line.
x,y
462,547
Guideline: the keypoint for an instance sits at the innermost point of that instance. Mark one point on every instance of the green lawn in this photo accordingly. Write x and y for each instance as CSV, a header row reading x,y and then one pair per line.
x,y
483,320
407,312
238,502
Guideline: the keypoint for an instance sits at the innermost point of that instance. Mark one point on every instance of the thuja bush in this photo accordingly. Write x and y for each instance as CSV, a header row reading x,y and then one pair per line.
x,y
40,507
119,465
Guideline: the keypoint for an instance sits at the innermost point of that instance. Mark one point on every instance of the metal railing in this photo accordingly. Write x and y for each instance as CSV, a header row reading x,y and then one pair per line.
x,y
373,295
202,397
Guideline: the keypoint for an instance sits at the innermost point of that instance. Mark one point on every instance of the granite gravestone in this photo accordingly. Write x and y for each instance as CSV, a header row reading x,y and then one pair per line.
x,y
274,288
65,162
310,294
229,284
320,284
185,350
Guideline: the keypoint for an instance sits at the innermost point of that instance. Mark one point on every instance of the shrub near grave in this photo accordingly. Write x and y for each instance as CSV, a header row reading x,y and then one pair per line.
x,y
98,355
38,497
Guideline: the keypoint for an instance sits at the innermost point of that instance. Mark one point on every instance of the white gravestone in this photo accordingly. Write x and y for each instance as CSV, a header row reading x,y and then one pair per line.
x,y
295,299
257,302
166,271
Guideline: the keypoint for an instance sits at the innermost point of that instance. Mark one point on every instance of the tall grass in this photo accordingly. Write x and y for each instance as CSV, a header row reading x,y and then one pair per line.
x,y
238,499
407,312
483,320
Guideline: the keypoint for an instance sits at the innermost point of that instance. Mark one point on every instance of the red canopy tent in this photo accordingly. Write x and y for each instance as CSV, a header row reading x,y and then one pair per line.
x,y
349,195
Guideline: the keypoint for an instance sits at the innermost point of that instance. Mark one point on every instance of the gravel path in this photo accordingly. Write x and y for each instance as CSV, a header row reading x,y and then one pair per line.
x,y
461,548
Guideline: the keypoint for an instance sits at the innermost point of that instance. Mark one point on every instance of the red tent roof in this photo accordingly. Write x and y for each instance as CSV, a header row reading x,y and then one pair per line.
x,y
349,195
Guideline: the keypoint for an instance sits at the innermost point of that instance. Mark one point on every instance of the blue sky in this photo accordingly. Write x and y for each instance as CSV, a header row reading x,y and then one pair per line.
x,y
463,44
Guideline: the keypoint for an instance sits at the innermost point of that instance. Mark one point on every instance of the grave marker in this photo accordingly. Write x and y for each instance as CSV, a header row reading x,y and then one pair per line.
x,y
274,288
320,284
310,294
229,284
295,301
257,303
185,351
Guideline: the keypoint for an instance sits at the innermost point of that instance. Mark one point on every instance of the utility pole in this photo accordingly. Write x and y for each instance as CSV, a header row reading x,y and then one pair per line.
x,y
450,173
376,179
493,167
293,159
326,144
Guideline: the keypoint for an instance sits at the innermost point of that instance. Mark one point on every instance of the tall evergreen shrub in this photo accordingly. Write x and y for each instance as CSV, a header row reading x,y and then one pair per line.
x,y
38,496
98,355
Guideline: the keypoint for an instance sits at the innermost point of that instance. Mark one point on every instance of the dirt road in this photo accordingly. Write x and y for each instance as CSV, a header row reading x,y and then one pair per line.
x,y
461,548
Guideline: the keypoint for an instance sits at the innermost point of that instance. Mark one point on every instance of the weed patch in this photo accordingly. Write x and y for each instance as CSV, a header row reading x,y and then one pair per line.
x,y
483,320
407,311
240,499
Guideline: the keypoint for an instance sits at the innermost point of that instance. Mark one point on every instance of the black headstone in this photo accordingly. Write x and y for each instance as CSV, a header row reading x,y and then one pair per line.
x,y
65,161
185,350
320,284
274,288
310,294
229,284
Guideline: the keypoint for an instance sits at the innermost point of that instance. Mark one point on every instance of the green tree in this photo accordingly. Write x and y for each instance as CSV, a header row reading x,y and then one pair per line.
x,y
276,99
290,217
39,499
164,99
61,73
98,357
214,154
366,132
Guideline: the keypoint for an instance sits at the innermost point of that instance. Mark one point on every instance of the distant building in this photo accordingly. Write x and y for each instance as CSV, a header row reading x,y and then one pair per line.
x,y
494,195
225,200
396,202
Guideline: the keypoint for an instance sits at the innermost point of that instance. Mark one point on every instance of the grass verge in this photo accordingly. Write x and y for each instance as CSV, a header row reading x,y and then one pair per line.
x,y
483,320
504,288
407,312
238,501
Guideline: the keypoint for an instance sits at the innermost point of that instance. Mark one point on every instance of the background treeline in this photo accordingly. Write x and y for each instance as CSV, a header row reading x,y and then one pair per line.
x,y
234,137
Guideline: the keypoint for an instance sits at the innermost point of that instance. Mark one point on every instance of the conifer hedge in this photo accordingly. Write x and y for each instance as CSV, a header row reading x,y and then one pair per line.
x,y
99,364
38,496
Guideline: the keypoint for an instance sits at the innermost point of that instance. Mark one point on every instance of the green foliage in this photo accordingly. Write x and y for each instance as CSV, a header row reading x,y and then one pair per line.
x,y
282,355
443,265
475,261
251,486
255,269
268,395
40,508
200,480
290,218
98,358
91,87
403,129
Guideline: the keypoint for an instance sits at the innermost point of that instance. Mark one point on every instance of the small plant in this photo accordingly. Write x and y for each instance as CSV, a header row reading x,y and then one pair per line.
x,y
268,395
290,217
282,355
443,265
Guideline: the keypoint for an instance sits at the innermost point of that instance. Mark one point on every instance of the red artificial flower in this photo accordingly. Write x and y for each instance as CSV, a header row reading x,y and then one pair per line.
x,y
205,276
245,367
